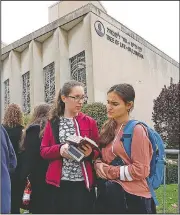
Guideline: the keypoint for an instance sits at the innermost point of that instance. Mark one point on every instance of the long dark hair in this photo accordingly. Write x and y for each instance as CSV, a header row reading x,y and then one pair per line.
x,y
58,106
39,117
127,94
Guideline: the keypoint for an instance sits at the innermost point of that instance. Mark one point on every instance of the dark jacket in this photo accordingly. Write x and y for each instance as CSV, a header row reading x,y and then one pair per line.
x,y
34,166
50,149
8,164
17,186
15,134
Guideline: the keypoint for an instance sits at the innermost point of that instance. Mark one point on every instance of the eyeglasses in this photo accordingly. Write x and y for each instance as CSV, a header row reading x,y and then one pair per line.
x,y
78,98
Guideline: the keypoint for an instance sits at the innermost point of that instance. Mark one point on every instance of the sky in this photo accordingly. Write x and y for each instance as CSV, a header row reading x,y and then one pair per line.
x,y
155,21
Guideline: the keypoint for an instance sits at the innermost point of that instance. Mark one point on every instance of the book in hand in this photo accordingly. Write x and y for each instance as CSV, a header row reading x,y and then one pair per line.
x,y
75,153
78,141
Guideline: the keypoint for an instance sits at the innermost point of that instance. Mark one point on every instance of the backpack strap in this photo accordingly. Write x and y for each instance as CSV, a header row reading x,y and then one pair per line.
x,y
127,135
160,146
153,194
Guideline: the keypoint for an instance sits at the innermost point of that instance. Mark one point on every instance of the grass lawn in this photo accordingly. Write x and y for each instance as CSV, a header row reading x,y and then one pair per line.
x,y
171,199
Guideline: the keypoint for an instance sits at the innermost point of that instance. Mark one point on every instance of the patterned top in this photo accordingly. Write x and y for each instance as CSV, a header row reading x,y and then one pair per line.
x,y
71,170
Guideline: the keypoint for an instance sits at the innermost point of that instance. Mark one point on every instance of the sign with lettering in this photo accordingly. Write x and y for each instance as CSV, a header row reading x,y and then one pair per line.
x,y
117,39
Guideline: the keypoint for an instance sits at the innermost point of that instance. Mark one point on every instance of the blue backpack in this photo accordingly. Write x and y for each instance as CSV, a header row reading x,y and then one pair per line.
x,y
156,176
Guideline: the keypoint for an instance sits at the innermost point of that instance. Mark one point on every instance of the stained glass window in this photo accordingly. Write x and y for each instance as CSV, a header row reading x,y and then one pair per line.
x,y
6,93
49,83
26,92
78,68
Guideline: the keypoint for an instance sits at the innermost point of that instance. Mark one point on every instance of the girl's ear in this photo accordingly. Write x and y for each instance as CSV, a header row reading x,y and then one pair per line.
x,y
129,106
63,98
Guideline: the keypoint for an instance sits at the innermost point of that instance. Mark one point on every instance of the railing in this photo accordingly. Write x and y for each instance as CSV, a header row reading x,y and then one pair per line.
x,y
172,152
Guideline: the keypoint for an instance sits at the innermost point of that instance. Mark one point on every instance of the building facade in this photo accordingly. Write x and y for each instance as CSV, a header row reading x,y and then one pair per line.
x,y
84,43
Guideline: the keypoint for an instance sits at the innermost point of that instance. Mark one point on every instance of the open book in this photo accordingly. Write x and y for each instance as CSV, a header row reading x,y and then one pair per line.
x,y
78,141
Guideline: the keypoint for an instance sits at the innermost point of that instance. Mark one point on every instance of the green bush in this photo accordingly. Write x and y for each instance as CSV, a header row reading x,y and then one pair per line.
x,y
26,119
97,111
171,173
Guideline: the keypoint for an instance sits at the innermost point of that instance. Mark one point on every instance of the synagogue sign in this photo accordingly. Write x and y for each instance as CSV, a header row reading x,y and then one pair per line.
x,y
118,39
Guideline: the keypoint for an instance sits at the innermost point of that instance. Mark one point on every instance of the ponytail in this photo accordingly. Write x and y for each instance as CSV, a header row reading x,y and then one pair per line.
x,y
107,133
58,107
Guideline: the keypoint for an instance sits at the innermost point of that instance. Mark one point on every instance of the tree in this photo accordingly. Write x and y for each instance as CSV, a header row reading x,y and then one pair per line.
x,y
166,115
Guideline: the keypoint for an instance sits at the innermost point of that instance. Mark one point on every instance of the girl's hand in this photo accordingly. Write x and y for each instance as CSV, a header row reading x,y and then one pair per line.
x,y
100,171
64,152
86,149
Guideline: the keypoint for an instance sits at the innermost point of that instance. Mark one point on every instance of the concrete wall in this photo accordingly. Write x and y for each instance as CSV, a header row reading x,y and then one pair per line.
x,y
79,39
15,78
107,62
5,74
33,59
3,45
76,40
57,48
47,51
37,74
25,61
64,70
53,12
11,68
62,8
113,64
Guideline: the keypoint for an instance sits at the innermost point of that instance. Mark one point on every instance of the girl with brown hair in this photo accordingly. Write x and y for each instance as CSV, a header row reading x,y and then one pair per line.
x,y
33,166
13,123
72,182
122,180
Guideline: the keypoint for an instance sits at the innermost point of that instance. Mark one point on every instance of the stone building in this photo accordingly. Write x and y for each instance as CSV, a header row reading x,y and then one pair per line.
x,y
84,43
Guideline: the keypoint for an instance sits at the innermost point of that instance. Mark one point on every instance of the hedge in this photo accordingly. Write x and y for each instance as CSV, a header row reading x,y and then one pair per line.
x,y
171,173
97,111
26,119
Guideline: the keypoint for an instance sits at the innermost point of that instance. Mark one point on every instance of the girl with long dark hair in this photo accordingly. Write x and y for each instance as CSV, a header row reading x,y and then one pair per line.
x,y
33,165
122,179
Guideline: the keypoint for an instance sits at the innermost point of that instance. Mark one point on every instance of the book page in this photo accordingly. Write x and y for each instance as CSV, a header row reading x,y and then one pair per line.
x,y
78,140
72,139
90,141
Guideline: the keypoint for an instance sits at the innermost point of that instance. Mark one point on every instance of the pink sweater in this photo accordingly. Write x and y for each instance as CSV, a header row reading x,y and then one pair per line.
x,y
131,176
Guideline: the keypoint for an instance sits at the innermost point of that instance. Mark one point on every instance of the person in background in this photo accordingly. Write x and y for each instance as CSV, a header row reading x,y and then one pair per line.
x,y
33,165
123,188
8,165
72,182
12,122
